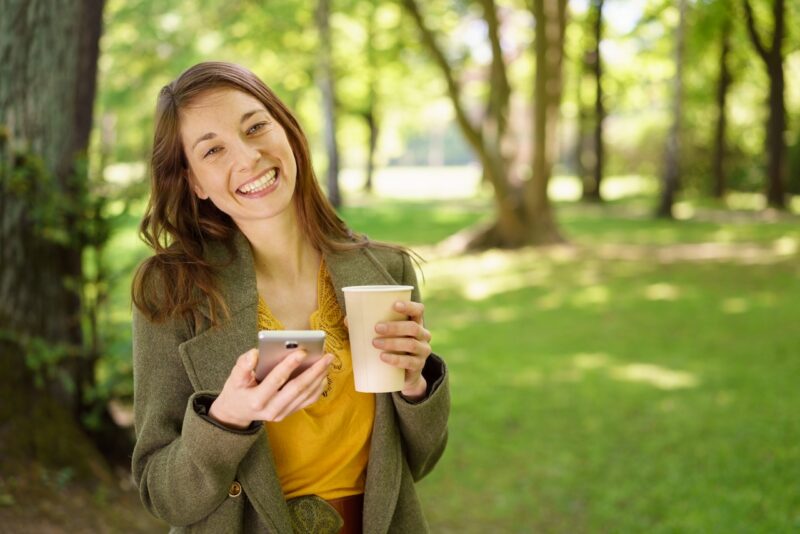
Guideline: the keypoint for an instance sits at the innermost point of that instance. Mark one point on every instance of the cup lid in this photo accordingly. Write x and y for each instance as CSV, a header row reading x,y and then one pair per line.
x,y
373,289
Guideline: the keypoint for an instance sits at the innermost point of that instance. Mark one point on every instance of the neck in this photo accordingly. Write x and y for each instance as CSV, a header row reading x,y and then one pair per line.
x,y
281,250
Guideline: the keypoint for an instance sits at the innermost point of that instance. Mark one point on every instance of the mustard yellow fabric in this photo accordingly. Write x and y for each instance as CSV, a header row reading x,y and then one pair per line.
x,y
323,449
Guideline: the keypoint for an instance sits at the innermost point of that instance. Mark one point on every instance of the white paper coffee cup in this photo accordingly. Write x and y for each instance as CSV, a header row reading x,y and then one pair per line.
x,y
366,306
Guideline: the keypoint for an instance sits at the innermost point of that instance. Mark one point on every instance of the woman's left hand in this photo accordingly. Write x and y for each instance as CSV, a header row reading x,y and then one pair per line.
x,y
406,344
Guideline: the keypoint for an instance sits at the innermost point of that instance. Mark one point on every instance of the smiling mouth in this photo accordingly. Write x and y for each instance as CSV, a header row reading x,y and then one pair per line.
x,y
259,185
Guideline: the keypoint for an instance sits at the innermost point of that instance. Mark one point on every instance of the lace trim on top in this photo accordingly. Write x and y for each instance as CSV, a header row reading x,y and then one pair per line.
x,y
327,317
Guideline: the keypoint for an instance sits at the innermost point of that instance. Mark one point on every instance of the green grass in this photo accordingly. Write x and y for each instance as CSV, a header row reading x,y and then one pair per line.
x,y
600,393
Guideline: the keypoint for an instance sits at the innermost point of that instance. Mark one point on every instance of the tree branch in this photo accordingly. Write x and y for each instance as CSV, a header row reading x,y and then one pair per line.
x,y
751,30
499,88
473,135
777,34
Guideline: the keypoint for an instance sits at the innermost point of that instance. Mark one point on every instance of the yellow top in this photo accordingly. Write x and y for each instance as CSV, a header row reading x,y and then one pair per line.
x,y
323,448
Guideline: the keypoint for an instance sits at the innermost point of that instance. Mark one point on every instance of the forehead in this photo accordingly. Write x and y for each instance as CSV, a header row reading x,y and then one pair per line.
x,y
216,109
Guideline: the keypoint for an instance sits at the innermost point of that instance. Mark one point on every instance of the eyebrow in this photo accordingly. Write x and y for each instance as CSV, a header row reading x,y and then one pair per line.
x,y
211,135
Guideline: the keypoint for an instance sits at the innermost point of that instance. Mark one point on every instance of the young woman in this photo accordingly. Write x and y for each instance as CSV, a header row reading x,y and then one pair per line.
x,y
244,240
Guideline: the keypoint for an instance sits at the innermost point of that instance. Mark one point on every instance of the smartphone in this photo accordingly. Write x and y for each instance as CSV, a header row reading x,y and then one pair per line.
x,y
275,345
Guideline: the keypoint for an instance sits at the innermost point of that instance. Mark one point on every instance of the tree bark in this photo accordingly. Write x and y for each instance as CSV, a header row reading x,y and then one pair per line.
x,y
723,85
599,110
776,121
550,21
327,88
48,62
671,176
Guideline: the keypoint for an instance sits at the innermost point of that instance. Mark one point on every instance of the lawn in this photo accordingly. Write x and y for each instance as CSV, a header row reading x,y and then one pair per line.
x,y
642,378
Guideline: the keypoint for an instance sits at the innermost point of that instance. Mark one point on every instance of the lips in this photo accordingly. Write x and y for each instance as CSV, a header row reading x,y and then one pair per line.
x,y
259,184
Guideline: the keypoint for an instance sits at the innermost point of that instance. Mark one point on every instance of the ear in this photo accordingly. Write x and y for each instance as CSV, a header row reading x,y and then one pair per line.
x,y
195,185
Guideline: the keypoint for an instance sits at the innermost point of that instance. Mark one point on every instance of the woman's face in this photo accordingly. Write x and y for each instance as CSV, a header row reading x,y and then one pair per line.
x,y
238,155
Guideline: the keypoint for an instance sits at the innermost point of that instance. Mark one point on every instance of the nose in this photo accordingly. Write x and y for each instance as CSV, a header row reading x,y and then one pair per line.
x,y
246,156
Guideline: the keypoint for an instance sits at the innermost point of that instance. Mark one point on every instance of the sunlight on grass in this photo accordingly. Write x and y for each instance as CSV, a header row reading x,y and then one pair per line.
x,y
452,182
456,182
589,361
647,373
661,291
526,377
590,296
785,246
655,375
734,305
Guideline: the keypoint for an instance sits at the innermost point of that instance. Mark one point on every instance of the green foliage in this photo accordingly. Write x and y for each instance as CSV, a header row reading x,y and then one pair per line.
x,y
44,358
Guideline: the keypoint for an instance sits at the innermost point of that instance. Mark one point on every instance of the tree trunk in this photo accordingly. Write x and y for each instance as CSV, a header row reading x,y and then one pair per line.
x,y
582,154
592,181
671,176
776,126
326,86
371,114
550,20
599,110
372,125
515,225
722,96
776,122
47,86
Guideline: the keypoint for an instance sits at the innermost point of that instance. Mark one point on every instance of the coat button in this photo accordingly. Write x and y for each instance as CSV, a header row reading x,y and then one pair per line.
x,y
235,489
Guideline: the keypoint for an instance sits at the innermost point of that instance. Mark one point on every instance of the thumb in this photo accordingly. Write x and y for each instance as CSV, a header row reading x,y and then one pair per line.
x,y
243,370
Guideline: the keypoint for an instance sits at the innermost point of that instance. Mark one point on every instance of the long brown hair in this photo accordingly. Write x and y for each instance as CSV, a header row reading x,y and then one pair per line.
x,y
176,224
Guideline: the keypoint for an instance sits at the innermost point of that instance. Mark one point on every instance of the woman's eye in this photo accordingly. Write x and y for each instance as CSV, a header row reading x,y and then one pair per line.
x,y
212,151
256,127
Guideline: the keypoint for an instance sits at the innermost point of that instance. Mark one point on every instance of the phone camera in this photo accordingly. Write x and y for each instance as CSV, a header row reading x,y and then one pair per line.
x,y
291,344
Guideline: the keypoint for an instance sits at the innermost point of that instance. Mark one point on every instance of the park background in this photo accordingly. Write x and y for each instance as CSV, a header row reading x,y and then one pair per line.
x,y
605,193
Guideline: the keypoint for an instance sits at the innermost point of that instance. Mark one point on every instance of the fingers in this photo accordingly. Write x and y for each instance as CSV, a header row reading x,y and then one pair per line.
x,y
403,329
411,363
303,401
276,378
414,310
407,345
298,392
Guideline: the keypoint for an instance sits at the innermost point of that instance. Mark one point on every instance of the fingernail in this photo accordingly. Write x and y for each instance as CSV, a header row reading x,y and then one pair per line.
x,y
400,306
378,342
380,328
299,356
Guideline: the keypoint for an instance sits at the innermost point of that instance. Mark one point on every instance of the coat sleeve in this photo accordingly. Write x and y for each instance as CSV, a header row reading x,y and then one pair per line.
x,y
183,463
423,424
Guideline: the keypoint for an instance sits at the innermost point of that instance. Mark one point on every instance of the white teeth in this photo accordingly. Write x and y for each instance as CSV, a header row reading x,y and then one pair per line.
x,y
260,184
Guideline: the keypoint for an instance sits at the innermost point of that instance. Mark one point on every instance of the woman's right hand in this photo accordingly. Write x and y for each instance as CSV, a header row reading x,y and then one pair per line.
x,y
244,400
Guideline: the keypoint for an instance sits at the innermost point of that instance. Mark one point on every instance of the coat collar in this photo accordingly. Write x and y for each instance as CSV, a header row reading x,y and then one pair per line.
x,y
237,278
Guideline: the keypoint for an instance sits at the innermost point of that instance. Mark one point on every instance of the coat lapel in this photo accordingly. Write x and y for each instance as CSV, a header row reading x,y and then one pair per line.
x,y
209,358
384,469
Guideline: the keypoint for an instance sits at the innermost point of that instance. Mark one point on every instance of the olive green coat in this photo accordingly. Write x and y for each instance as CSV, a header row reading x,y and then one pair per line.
x,y
185,465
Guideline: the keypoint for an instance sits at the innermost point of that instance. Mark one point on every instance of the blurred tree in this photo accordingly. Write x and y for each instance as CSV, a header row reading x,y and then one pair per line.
x,y
522,211
325,80
723,84
593,175
776,122
370,112
47,89
550,18
670,179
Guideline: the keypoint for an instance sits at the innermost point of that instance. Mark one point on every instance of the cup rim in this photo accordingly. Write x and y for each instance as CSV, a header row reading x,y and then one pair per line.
x,y
376,288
